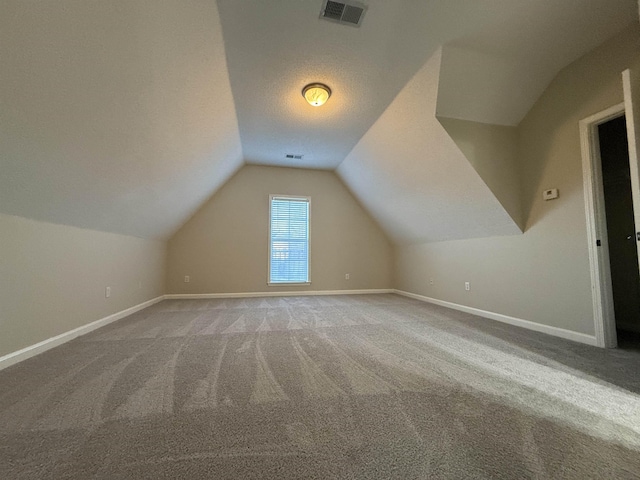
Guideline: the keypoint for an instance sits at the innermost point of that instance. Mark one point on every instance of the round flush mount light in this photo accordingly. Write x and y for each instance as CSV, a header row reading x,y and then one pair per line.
x,y
316,94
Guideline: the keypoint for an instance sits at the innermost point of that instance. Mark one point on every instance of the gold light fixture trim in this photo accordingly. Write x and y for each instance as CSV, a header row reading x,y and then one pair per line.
x,y
316,94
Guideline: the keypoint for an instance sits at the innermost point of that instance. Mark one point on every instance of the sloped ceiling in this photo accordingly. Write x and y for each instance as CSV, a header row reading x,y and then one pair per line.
x,y
114,115
411,174
127,115
494,74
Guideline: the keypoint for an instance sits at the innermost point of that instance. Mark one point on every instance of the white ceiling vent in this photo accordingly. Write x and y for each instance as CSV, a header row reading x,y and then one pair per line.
x,y
347,13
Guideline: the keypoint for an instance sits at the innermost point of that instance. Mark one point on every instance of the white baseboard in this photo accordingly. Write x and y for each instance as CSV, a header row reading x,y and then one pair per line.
x,y
518,322
40,347
189,296
32,350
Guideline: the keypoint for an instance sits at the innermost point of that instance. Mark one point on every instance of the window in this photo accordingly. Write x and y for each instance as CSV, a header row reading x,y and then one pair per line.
x,y
288,239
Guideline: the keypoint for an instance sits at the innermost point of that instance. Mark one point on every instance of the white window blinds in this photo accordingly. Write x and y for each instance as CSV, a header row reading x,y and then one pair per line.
x,y
289,239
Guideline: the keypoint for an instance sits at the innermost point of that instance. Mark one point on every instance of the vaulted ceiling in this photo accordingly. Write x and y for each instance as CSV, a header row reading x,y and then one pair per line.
x,y
126,115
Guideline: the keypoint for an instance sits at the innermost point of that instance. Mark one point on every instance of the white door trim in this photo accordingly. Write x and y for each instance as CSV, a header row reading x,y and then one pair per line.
x,y
602,293
631,109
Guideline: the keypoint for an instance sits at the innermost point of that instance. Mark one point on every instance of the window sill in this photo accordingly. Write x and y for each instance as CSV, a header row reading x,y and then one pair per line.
x,y
275,284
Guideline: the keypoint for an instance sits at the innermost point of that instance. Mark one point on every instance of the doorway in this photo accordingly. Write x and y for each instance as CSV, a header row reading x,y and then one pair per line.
x,y
620,229
604,310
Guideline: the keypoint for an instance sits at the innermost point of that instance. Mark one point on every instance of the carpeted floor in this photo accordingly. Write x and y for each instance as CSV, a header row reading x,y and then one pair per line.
x,y
343,387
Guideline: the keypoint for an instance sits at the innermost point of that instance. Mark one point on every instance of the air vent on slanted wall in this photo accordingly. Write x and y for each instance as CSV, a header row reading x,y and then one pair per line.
x,y
350,13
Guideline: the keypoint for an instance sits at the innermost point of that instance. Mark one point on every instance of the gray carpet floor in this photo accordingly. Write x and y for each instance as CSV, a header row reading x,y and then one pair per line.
x,y
335,387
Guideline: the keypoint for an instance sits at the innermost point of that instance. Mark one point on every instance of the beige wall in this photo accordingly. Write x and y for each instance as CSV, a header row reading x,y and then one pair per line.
x,y
224,247
492,151
542,275
53,278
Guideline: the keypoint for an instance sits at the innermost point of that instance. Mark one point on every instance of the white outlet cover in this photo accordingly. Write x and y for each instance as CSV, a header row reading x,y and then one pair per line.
x,y
550,194
107,292
187,279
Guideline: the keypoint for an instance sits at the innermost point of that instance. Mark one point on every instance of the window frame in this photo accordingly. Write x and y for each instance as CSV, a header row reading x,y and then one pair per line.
x,y
290,197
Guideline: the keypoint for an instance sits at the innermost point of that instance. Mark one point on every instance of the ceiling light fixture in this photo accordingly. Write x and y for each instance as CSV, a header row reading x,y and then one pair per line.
x,y
316,94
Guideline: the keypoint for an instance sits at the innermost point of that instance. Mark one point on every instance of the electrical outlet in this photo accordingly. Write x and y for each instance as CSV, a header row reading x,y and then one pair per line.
x,y
346,276
467,287
107,292
550,194
431,281
187,279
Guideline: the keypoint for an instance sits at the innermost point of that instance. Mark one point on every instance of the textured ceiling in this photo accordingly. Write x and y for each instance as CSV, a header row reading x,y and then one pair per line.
x,y
115,115
126,115
501,55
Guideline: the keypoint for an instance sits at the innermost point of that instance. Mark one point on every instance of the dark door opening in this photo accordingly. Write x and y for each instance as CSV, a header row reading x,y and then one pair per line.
x,y
621,231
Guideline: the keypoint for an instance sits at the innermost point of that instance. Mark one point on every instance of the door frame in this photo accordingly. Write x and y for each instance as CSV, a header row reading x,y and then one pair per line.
x,y
632,111
601,288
